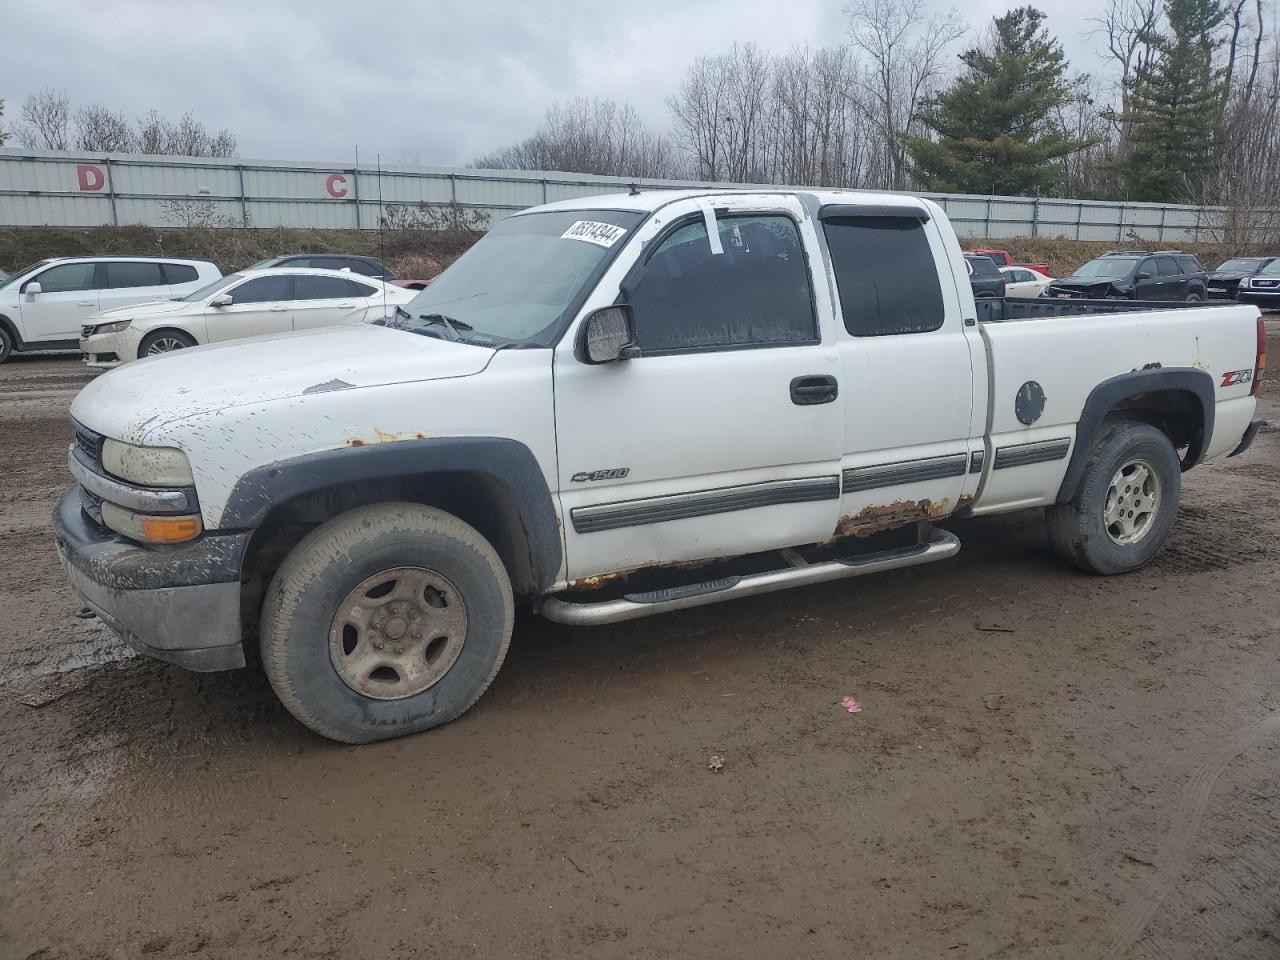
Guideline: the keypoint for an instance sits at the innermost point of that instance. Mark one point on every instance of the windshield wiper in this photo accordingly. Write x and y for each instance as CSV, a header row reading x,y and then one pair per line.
x,y
451,324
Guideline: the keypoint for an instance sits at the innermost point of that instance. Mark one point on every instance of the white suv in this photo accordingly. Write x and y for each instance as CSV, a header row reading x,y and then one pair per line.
x,y
42,307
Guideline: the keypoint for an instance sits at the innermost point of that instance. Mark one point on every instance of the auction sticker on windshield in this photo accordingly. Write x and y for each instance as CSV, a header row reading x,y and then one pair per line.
x,y
604,234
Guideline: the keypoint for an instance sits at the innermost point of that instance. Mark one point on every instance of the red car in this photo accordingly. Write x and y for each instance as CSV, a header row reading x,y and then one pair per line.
x,y
1002,259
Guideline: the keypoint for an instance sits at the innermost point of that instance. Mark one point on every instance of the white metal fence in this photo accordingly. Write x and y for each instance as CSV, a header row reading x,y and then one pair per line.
x,y
70,189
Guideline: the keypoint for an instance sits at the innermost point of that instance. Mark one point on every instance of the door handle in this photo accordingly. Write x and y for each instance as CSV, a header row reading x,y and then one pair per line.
x,y
279,309
346,306
86,303
814,389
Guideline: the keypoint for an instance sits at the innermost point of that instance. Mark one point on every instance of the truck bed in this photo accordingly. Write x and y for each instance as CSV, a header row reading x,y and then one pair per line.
x,y
996,309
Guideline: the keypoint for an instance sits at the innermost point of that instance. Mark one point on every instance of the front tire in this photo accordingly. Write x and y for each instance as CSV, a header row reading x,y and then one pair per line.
x,y
1125,506
385,621
1194,297
6,344
164,341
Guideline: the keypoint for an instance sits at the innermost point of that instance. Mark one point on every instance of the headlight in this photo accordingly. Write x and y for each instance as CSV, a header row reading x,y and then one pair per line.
x,y
149,466
115,327
150,529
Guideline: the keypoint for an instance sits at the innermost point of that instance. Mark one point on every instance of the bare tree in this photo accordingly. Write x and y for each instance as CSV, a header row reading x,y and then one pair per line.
x,y
1128,27
100,129
46,120
905,50
186,137
589,136
4,135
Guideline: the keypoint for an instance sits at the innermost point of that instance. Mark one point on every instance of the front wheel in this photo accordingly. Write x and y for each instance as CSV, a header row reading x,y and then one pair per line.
x,y
6,344
1194,297
164,341
1124,508
385,621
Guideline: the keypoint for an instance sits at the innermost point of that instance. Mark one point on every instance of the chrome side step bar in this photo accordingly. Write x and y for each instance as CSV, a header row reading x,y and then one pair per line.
x,y
935,545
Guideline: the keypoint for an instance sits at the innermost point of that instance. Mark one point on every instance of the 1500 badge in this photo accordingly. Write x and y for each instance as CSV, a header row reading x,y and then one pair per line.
x,y
1233,377
617,473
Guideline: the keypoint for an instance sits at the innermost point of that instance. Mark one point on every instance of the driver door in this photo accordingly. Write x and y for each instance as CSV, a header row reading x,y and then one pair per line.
x,y
723,436
260,305
68,294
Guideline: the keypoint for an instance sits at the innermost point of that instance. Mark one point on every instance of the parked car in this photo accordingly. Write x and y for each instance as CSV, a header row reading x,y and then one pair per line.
x,y
1024,282
1003,259
369,266
1136,275
985,277
247,304
376,498
43,306
1262,289
1225,281
3,276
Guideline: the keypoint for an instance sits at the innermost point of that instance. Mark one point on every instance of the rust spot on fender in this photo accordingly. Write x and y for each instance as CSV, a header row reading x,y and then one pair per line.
x,y
355,443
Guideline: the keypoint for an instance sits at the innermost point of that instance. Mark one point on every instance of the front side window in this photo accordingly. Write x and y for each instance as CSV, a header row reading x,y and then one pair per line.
x,y
263,290
67,278
123,274
1167,266
755,292
871,257
320,288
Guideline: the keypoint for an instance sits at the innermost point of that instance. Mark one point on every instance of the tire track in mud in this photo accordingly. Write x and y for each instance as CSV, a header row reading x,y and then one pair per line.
x,y
1191,811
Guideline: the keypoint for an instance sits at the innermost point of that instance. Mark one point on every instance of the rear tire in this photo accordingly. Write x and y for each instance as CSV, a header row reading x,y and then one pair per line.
x,y
1194,297
164,341
385,621
6,344
1126,503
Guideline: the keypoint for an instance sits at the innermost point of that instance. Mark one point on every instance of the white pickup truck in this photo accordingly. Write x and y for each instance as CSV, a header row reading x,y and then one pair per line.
x,y
620,406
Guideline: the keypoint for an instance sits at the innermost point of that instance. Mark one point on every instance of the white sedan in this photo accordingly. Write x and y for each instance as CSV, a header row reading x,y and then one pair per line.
x,y
1024,282
250,303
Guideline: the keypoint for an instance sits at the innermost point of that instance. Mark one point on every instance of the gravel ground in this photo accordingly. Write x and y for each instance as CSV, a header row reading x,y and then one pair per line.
x,y
1047,765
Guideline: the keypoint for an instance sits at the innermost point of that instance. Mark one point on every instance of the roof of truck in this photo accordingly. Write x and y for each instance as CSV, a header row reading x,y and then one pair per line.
x,y
646,200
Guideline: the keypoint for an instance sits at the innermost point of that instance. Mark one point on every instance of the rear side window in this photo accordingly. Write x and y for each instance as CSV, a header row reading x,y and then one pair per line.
x,y
369,268
362,289
263,290
180,273
1189,263
321,288
122,274
754,293
887,277
66,278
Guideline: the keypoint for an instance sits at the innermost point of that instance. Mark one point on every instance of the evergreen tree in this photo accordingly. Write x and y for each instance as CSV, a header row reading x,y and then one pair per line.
x,y
1176,104
993,127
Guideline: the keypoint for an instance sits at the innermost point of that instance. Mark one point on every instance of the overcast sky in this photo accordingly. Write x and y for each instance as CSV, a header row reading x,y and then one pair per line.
x,y
430,82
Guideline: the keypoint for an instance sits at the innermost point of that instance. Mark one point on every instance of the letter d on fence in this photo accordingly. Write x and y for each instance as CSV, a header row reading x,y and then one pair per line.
x,y
90,178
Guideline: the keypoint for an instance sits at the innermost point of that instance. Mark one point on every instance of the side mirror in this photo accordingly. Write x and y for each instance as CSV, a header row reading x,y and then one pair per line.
x,y
1144,275
32,290
609,335
221,300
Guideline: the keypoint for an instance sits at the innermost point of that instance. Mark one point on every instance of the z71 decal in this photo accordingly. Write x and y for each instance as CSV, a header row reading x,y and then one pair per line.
x,y
1234,377
617,473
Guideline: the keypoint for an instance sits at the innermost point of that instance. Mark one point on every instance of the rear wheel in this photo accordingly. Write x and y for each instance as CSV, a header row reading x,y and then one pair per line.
x,y
6,344
387,620
1194,297
164,341
1125,506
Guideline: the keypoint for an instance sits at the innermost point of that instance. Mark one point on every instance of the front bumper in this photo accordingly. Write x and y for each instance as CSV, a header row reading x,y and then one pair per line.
x,y
1260,298
101,350
179,604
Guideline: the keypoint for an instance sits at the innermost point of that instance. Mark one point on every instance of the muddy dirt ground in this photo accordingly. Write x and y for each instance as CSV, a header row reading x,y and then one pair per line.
x,y
1048,765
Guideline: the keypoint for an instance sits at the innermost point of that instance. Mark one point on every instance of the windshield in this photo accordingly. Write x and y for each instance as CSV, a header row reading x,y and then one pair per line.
x,y
1242,265
19,274
1272,269
209,289
520,277
1107,267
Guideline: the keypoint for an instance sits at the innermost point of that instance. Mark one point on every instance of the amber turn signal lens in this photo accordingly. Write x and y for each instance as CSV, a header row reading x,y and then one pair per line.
x,y
170,529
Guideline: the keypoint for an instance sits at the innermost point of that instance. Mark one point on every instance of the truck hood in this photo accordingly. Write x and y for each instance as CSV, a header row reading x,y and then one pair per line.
x,y
132,400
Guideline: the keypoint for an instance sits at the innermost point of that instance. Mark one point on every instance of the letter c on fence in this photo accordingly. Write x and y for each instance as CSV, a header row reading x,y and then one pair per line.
x,y
90,178
336,185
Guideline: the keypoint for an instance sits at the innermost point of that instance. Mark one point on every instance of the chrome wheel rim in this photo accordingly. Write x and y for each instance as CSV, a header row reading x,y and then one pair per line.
x,y
397,633
164,345
1133,501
